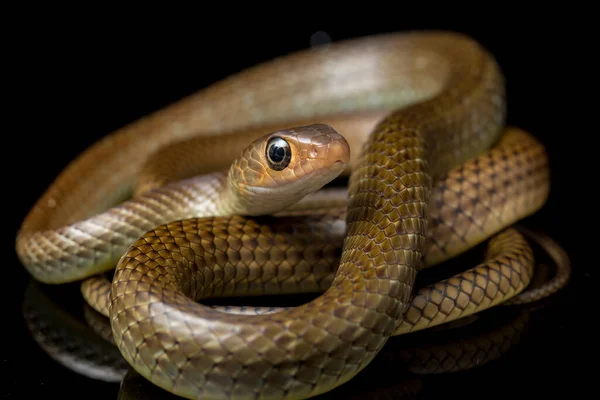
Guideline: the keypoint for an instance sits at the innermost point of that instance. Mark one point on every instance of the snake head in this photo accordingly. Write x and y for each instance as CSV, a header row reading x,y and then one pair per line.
x,y
277,170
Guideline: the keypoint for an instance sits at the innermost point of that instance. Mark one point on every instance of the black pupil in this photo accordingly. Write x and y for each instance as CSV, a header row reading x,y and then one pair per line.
x,y
277,153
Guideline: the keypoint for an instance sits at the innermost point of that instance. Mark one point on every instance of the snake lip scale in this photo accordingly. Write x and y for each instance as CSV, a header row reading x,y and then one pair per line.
x,y
416,119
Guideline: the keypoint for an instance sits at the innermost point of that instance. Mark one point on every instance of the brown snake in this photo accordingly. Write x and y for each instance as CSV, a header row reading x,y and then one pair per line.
x,y
417,196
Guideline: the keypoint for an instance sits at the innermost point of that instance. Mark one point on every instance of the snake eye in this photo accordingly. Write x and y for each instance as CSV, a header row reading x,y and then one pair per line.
x,y
278,153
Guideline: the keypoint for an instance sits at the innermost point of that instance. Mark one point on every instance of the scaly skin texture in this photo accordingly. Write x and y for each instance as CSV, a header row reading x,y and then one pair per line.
x,y
84,353
95,244
448,97
561,276
441,356
195,351
65,236
519,158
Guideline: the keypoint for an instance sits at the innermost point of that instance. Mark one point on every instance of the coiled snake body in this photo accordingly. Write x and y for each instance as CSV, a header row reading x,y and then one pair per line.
x,y
410,196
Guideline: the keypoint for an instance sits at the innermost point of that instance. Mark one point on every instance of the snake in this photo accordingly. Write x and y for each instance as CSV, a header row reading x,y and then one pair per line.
x,y
439,103
84,350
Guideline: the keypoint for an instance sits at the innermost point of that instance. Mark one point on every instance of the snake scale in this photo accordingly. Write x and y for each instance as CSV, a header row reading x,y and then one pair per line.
x,y
420,191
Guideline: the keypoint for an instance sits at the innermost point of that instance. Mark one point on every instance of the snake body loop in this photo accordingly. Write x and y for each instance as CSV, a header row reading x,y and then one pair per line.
x,y
315,347
499,203
443,98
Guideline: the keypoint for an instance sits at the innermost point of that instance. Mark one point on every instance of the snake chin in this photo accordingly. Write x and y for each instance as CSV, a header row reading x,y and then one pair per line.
x,y
309,182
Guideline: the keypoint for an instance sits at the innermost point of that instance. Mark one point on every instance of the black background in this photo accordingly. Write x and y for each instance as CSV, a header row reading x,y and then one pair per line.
x,y
76,80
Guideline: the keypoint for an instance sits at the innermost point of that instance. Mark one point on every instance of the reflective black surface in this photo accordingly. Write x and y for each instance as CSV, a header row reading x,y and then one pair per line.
x,y
89,79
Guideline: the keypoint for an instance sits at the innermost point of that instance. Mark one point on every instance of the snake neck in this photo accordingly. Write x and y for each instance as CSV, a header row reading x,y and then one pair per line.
x,y
222,196
255,200
237,199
